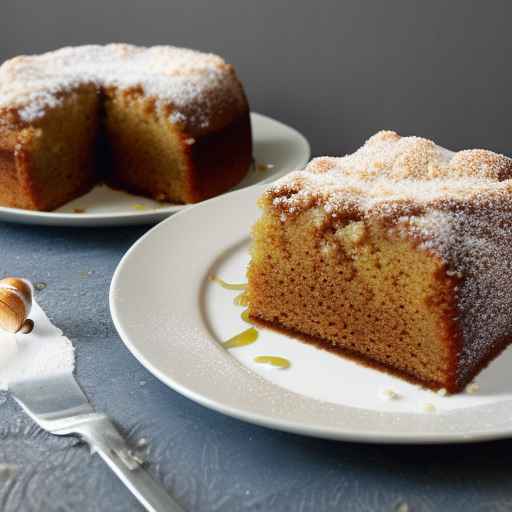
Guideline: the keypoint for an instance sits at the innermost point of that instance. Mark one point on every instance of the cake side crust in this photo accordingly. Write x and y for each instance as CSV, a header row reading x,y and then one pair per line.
x,y
220,160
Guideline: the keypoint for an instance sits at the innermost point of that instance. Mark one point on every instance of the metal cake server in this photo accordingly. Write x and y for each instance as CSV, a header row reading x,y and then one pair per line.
x,y
58,405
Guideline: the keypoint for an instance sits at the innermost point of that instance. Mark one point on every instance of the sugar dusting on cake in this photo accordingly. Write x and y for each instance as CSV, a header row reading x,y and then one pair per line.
x,y
45,352
392,175
456,205
195,85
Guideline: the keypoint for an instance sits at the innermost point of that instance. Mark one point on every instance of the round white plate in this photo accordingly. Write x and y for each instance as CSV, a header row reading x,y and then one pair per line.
x,y
172,318
277,149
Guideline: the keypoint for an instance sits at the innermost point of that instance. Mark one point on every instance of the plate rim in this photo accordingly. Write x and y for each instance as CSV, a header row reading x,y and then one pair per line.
x,y
333,432
20,215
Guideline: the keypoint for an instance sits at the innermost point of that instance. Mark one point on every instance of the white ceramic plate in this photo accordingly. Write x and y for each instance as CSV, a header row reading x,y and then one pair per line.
x,y
275,145
172,318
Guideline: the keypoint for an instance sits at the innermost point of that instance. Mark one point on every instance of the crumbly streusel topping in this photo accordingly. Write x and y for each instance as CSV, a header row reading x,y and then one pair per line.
x,y
393,173
456,205
197,85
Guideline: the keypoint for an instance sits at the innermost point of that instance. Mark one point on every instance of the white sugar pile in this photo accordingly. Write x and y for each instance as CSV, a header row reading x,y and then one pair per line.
x,y
42,353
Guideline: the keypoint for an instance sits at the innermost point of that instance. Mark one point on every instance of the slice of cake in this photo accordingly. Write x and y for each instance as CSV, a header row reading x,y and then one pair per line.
x,y
399,254
168,123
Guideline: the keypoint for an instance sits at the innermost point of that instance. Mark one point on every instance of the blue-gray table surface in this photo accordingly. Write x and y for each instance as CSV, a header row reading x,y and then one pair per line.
x,y
208,461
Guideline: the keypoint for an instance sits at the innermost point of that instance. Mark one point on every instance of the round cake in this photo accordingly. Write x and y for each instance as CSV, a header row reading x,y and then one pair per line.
x,y
165,122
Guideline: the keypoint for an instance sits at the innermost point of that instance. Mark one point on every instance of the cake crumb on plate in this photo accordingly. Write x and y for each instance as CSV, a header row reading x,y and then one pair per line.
x,y
431,408
472,388
389,394
264,167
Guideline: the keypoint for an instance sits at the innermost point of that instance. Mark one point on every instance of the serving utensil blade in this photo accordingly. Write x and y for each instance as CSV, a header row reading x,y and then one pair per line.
x,y
58,405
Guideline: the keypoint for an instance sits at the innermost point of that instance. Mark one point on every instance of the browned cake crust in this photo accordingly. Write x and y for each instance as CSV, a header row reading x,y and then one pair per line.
x,y
398,254
169,123
220,159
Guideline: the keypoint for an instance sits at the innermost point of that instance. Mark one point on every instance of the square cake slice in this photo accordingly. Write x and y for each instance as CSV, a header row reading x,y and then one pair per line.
x,y
399,254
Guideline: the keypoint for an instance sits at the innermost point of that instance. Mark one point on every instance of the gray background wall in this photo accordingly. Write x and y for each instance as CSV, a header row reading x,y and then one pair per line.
x,y
336,70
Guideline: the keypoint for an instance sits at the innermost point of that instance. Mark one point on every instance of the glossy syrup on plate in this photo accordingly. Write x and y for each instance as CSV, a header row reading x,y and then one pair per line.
x,y
246,337
249,336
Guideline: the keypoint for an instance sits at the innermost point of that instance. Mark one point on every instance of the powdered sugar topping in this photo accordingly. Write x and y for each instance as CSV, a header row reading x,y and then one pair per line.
x,y
195,85
390,170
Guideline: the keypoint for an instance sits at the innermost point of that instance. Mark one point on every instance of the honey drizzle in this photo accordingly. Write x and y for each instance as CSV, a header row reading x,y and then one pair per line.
x,y
246,337
228,286
245,316
249,336
241,299
279,362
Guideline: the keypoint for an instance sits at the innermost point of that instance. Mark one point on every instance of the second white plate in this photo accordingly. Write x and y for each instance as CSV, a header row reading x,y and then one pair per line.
x,y
173,318
277,149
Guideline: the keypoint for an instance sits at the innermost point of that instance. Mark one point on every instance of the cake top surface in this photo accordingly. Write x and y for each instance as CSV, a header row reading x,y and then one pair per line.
x,y
196,85
390,173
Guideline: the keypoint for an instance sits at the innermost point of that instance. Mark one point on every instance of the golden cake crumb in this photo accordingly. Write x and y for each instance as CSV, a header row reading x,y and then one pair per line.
x,y
472,388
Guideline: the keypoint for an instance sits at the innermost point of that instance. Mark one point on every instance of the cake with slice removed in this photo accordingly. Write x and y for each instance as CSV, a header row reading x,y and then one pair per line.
x,y
398,254
169,123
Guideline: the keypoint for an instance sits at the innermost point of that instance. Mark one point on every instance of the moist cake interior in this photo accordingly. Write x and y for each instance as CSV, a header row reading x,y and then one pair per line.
x,y
372,297
143,148
62,150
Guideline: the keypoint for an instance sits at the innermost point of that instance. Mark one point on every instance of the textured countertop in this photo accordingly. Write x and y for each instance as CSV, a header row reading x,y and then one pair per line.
x,y
208,461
